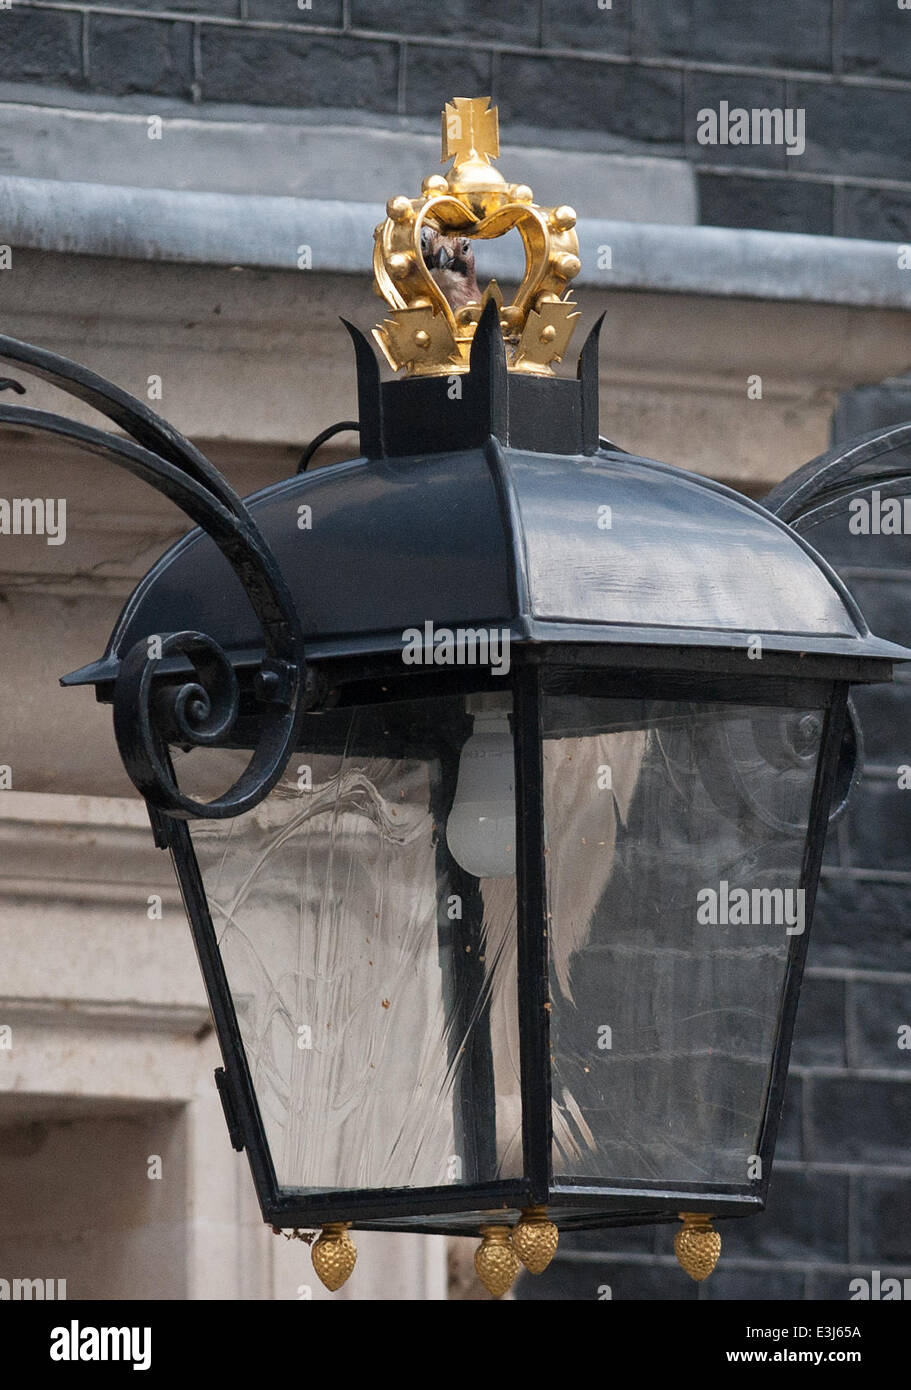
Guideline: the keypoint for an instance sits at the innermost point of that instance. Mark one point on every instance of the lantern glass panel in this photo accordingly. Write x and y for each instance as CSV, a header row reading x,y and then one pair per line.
x,y
374,979
675,842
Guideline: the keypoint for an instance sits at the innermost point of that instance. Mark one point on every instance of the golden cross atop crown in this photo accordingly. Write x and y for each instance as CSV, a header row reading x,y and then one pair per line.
x,y
471,129
424,265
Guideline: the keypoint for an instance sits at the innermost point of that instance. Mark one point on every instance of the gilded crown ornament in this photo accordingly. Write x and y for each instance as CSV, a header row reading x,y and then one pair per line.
x,y
697,1244
429,333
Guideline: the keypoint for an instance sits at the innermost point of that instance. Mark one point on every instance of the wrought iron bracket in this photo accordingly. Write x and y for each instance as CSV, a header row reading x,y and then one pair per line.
x,y
148,711
822,490
824,487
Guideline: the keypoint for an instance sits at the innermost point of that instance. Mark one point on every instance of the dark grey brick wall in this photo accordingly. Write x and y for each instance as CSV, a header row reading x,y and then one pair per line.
x,y
840,1201
630,76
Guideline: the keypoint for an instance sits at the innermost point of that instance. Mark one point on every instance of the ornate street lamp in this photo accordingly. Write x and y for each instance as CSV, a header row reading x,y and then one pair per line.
x,y
495,766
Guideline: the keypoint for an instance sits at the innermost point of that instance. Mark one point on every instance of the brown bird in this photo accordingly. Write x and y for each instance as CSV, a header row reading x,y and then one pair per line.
x,y
450,260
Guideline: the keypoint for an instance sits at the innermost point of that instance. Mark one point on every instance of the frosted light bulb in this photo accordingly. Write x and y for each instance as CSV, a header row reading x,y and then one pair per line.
x,y
481,831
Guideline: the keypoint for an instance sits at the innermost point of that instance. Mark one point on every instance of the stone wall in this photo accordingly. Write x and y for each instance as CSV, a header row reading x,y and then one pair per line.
x,y
631,74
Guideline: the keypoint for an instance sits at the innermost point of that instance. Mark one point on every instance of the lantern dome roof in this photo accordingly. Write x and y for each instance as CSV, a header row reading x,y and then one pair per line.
x,y
502,507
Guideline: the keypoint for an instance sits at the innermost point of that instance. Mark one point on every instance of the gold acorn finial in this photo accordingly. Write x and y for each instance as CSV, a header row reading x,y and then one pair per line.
x,y
495,1261
697,1244
334,1255
535,1239
433,313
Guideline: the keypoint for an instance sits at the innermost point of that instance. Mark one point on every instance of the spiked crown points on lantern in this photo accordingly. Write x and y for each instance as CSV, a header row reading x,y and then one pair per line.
x,y
429,332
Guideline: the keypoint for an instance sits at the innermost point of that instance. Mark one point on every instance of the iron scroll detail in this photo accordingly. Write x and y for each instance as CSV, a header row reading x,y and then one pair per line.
x,y
148,710
822,491
824,487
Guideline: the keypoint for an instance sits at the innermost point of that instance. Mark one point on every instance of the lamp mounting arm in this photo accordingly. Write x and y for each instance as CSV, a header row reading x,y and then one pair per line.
x,y
203,709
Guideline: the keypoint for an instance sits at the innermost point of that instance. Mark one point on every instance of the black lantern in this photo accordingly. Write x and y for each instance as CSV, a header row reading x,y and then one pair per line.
x,y
496,766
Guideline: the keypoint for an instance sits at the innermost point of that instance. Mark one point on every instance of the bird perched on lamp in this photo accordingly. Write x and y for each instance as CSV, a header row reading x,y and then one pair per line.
x,y
450,260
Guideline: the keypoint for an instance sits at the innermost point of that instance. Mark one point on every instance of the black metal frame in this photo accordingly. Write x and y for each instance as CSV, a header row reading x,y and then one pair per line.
x,y
533,970
463,1207
155,706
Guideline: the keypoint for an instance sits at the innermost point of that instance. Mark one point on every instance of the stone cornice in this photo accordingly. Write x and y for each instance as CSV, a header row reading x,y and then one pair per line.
x,y
266,233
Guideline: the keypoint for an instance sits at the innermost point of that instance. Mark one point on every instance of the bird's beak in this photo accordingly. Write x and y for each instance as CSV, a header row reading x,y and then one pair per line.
x,y
443,258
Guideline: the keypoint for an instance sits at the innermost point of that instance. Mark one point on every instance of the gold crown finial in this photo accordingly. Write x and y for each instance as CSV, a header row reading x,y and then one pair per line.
x,y
423,263
471,130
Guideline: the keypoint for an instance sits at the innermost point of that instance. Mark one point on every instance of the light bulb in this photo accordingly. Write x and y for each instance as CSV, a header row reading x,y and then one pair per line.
x,y
481,831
